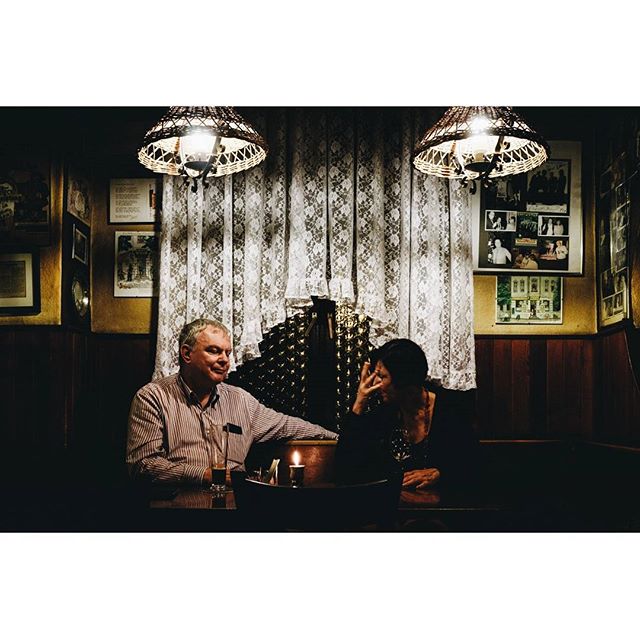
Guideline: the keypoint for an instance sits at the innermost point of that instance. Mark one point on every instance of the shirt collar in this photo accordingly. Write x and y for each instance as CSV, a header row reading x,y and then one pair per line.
x,y
191,396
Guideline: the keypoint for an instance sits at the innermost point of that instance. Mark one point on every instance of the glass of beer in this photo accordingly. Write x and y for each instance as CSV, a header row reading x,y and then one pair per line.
x,y
218,460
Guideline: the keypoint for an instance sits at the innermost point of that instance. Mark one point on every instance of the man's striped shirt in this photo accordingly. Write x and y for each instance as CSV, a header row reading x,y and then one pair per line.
x,y
171,435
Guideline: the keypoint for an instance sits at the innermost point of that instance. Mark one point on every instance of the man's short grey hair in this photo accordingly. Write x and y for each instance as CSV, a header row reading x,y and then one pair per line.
x,y
191,331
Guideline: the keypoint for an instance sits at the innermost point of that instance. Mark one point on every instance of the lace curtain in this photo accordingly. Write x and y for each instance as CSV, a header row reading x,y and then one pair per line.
x,y
335,211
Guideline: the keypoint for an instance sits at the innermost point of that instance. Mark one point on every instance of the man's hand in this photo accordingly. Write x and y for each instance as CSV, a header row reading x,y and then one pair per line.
x,y
421,478
366,389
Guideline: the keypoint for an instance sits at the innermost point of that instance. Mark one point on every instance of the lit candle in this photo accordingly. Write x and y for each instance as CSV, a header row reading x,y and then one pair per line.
x,y
296,471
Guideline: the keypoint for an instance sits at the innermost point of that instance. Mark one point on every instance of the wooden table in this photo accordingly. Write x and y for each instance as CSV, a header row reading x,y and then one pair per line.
x,y
427,510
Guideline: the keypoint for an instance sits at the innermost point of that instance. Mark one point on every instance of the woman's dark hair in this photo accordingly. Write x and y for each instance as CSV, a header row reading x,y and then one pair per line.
x,y
404,360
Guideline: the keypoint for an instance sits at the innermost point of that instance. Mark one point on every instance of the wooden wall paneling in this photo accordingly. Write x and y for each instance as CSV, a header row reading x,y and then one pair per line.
x,y
538,386
78,382
630,401
121,365
484,382
502,418
575,411
619,413
588,389
521,388
8,382
52,381
617,398
609,428
557,411
33,389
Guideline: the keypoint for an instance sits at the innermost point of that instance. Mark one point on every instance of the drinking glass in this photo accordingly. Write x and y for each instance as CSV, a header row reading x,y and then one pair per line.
x,y
218,438
218,471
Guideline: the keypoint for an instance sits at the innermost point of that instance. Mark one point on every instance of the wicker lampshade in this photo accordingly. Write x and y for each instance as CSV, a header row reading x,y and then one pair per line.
x,y
238,146
479,142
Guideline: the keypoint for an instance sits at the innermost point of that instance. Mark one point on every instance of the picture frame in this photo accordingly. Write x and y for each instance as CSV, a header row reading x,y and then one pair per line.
x,y
20,282
136,271
25,202
80,246
534,220
525,299
133,200
612,226
78,200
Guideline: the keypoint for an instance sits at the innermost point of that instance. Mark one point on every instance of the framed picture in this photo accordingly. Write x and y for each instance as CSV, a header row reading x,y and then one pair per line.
x,y
529,299
132,200
25,203
80,248
612,224
78,200
20,283
533,220
136,264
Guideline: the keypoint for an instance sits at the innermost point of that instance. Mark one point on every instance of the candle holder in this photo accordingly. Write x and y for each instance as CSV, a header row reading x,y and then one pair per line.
x,y
296,474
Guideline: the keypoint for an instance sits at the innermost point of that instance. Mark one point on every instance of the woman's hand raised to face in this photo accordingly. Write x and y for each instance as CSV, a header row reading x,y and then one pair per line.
x,y
367,387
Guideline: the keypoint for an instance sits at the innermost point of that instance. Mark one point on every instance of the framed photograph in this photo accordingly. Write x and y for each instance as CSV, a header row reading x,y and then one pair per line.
x,y
136,264
508,193
548,187
132,200
529,299
78,200
80,248
20,283
543,226
25,203
612,224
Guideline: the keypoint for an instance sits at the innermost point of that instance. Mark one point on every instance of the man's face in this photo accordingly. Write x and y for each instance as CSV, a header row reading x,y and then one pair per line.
x,y
208,360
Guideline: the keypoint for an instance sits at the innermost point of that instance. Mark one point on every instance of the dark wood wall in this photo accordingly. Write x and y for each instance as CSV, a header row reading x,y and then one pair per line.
x,y
63,391
535,387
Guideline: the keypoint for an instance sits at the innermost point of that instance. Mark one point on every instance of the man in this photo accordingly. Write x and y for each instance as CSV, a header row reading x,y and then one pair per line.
x,y
500,253
174,421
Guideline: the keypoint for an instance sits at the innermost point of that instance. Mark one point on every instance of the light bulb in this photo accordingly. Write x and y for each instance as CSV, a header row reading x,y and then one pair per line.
x,y
475,152
196,150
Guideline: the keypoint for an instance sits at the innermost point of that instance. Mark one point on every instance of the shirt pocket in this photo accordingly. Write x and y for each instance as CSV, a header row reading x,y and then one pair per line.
x,y
237,450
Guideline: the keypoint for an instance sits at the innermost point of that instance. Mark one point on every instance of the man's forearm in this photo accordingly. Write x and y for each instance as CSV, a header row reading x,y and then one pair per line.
x,y
160,470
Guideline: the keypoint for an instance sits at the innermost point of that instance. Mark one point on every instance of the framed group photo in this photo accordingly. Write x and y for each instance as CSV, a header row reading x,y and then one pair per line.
x,y
532,220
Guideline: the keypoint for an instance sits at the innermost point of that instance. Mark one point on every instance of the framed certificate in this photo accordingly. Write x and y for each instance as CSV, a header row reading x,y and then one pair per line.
x,y
132,200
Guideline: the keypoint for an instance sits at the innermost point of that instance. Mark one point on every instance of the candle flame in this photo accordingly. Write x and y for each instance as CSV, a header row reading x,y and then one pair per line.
x,y
296,458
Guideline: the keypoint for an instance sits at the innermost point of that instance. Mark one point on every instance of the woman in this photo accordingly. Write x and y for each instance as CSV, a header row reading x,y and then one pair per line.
x,y
426,434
